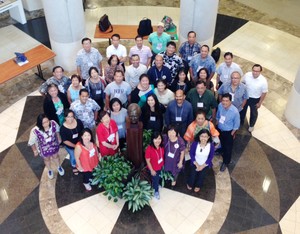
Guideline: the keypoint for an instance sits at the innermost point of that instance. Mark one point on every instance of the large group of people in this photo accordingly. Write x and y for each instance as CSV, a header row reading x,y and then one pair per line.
x,y
186,112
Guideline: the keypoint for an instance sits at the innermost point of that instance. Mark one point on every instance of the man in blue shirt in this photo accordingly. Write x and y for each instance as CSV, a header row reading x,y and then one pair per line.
x,y
159,71
179,112
228,123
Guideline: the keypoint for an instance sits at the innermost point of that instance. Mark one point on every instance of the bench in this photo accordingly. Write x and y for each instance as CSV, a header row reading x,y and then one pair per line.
x,y
15,8
35,57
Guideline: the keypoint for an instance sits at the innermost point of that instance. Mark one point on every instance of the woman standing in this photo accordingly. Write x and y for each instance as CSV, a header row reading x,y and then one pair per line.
x,y
202,153
152,114
107,134
44,141
203,75
181,81
142,91
113,65
174,152
119,114
55,103
69,132
164,95
73,90
155,160
95,85
87,156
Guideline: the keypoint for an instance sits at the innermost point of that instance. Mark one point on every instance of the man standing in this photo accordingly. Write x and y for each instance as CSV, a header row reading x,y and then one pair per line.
x,y
86,58
134,71
257,88
188,49
201,98
117,49
86,109
225,69
202,60
237,90
59,79
171,59
159,71
159,40
228,123
179,112
143,51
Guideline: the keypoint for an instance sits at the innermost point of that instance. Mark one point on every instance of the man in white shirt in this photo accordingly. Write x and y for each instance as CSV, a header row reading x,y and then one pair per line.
x,y
134,71
225,69
257,88
143,51
117,49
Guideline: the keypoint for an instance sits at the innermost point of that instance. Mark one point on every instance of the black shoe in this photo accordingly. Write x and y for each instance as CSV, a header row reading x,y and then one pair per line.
x,y
223,167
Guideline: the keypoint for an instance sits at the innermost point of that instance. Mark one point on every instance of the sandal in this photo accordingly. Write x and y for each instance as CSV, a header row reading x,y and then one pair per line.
x,y
196,190
188,187
75,171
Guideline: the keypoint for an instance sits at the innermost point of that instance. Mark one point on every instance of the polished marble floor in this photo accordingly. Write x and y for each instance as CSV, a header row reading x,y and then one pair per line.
x,y
258,194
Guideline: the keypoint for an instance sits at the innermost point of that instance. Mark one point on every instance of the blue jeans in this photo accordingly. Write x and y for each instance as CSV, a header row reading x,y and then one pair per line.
x,y
72,156
196,178
155,181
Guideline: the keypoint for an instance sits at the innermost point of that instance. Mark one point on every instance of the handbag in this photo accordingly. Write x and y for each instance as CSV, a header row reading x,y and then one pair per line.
x,y
104,24
145,27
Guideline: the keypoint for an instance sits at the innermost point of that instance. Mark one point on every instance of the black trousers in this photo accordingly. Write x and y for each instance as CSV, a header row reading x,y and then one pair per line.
x,y
87,175
251,102
227,144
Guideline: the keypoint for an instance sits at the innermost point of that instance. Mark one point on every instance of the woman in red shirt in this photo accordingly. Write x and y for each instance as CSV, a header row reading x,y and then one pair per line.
x,y
155,160
107,134
87,156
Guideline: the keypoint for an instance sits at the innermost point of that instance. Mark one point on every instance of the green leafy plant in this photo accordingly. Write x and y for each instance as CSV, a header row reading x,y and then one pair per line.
x,y
138,194
165,175
111,173
146,138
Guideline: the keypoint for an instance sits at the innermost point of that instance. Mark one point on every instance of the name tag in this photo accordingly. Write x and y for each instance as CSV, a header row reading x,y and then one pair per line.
x,y
198,69
111,137
159,46
92,152
189,58
48,139
75,136
225,76
120,126
98,91
59,111
160,160
200,104
178,119
222,119
171,155
152,118
232,96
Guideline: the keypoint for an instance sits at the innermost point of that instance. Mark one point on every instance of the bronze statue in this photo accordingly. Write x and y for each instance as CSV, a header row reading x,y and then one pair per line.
x,y
134,135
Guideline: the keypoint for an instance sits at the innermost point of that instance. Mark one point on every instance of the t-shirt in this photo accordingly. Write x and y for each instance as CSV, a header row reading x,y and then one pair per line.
x,y
156,157
71,135
120,91
159,43
108,135
120,120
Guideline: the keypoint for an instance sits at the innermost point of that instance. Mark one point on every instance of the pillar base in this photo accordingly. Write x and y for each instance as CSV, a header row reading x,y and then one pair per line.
x,y
292,111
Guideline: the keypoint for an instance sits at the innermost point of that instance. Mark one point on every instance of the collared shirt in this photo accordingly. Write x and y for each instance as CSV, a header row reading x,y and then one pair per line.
x,y
225,72
144,53
228,119
255,86
174,63
63,84
206,102
120,51
155,74
237,96
85,112
120,91
133,74
197,63
187,51
85,60
159,43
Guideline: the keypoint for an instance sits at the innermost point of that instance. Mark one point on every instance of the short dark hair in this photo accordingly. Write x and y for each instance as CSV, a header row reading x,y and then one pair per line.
x,y
257,65
227,95
39,121
54,68
119,71
162,81
112,101
192,32
203,130
201,82
111,57
182,70
155,135
173,127
116,35
228,53
68,111
86,39
76,76
138,36
84,131
102,114
83,91
91,69
172,43
144,75
205,46
201,112
135,55
203,69
49,86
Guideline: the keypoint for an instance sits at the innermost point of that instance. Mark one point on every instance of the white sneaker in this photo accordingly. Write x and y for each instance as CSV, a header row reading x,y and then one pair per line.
x,y
250,129
50,174
61,171
156,195
87,186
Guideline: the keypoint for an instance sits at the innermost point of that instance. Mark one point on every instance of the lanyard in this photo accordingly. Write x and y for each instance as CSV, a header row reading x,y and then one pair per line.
x,y
162,73
169,149
159,156
180,112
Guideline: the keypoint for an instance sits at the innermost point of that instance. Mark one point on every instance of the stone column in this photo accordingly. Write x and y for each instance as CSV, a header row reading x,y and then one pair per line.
x,y
199,16
292,111
66,27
